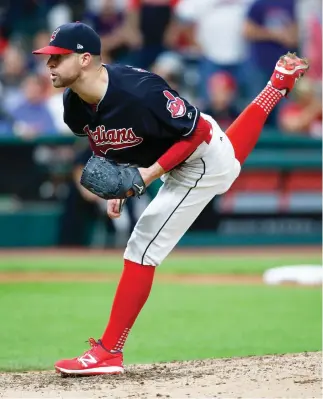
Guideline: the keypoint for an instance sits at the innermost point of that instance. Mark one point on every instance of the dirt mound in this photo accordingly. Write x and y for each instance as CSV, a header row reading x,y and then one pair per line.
x,y
280,376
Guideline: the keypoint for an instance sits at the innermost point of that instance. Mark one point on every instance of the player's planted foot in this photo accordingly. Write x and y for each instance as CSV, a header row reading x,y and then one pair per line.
x,y
288,70
95,361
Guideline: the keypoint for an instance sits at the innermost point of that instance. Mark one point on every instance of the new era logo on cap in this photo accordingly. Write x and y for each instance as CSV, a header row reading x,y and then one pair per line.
x,y
67,39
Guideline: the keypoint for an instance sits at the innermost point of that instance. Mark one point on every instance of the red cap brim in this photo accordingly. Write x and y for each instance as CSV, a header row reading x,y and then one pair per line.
x,y
49,50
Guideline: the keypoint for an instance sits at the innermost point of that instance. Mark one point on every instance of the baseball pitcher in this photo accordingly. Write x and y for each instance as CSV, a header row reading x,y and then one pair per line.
x,y
139,130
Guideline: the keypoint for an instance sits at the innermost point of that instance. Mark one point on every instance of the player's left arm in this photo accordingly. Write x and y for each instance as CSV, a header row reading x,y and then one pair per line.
x,y
185,122
177,153
152,173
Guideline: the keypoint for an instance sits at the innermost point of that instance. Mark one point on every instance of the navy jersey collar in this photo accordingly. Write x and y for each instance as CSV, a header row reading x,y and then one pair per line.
x,y
109,90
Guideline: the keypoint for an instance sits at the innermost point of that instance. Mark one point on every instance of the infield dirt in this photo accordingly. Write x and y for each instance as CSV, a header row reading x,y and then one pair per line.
x,y
274,376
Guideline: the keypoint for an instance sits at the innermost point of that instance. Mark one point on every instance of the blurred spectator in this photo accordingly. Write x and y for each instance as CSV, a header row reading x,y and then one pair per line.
x,y
3,43
309,16
169,65
271,30
216,32
108,21
60,13
309,94
6,124
149,29
32,117
3,28
222,89
6,120
55,107
38,64
303,114
94,6
13,70
146,28
23,19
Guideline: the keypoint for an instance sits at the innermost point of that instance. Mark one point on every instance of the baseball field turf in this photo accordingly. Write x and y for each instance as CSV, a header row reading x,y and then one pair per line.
x,y
48,310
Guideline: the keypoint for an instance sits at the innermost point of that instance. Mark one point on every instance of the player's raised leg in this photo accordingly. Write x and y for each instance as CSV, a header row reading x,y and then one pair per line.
x,y
245,130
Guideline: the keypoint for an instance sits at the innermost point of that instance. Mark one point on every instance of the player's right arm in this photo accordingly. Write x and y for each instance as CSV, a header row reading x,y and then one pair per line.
x,y
114,208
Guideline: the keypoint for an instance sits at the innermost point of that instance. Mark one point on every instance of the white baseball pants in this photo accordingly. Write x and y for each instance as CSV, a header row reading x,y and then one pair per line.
x,y
187,189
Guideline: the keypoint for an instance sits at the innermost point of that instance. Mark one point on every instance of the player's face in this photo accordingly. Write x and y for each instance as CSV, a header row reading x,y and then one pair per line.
x,y
64,69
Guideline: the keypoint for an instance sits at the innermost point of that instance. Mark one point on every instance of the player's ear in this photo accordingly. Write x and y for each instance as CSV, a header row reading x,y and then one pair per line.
x,y
85,59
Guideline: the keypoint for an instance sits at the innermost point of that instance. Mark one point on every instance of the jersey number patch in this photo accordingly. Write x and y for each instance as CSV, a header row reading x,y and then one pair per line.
x,y
175,105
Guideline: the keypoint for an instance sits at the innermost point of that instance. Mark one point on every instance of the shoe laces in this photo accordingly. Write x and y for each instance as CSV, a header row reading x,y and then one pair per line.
x,y
94,345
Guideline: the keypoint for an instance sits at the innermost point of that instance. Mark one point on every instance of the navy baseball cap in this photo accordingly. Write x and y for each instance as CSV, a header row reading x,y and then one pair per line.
x,y
74,37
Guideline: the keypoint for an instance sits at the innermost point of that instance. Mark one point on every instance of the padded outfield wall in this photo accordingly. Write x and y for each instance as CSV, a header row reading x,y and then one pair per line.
x,y
276,200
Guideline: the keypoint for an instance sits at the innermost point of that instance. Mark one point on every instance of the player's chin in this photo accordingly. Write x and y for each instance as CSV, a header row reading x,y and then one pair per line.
x,y
57,84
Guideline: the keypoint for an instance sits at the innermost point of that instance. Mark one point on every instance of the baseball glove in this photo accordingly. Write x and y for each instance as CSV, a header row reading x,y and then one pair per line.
x,y
109,180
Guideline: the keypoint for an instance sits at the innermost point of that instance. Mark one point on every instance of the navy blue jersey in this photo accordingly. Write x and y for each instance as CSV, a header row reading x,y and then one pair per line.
x,y
139,118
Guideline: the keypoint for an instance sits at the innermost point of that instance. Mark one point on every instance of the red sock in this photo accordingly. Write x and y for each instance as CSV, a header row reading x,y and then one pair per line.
x,y
245,130
132,292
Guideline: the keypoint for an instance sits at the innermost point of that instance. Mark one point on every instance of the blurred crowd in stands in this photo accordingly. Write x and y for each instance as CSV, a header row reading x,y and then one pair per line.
x,y
219,54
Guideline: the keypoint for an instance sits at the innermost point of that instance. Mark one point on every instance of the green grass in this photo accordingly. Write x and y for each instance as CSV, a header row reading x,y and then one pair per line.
x,y
46,321
174,264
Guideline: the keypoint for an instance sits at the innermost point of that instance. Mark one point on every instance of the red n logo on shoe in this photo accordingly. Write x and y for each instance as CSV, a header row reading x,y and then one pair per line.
x,y
87,359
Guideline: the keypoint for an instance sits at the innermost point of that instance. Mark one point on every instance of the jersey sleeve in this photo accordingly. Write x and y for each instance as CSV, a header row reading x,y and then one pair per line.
x,y
177,115
72,118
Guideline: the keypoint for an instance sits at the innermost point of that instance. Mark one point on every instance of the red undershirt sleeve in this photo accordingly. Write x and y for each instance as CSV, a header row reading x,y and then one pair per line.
x,y
182,149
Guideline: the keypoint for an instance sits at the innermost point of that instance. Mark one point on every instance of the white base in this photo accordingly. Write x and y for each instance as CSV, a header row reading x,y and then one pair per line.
x,y
298,274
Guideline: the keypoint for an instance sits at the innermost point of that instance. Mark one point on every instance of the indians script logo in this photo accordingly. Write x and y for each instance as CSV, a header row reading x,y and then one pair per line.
x,y
175,105
53,37
112,139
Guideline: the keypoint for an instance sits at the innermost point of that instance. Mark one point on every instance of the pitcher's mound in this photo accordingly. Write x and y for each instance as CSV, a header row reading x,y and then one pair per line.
x,y
274,376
